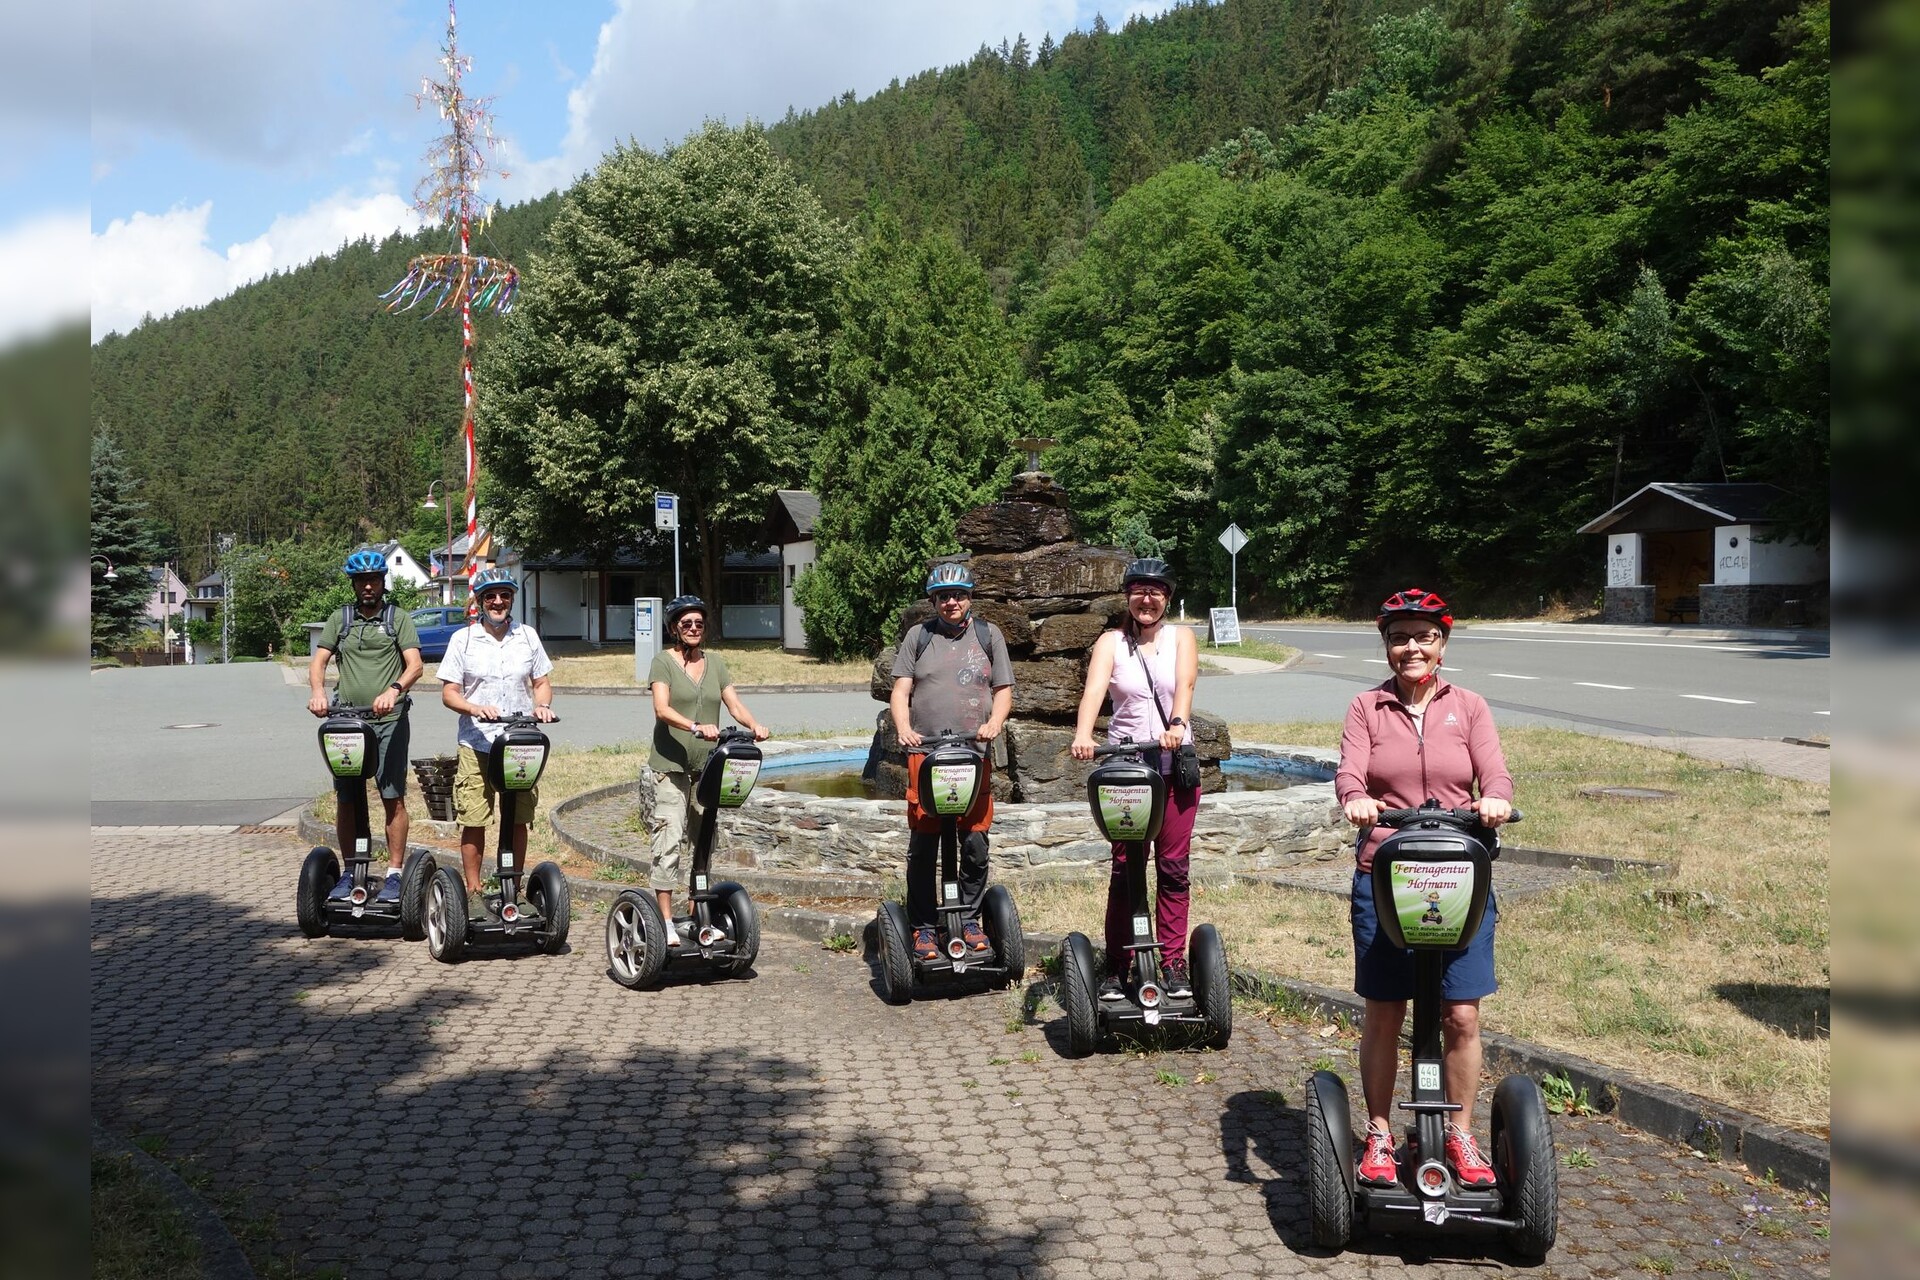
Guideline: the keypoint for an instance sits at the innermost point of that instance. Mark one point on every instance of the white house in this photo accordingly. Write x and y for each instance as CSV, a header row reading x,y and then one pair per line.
x,y
790,519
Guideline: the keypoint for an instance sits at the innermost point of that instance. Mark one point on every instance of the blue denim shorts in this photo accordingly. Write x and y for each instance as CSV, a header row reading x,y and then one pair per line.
x,y
1382,971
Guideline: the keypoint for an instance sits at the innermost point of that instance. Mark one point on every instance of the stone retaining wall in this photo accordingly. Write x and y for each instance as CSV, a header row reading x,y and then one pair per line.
x,y
798,834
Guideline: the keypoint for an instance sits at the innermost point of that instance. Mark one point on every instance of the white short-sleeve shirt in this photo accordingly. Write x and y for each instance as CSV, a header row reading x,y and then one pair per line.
x,y
492,672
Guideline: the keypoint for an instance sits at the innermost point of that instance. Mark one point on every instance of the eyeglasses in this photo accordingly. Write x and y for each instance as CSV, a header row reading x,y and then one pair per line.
x,y
1426,640
948,597
496,597
1144,589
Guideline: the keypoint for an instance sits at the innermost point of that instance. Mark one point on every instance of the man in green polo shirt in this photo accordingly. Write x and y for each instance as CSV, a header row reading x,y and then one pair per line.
x,y
379,652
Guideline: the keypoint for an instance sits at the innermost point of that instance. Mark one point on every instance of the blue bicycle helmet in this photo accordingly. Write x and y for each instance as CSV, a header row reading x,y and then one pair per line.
x,y
950,576
365,560
490,579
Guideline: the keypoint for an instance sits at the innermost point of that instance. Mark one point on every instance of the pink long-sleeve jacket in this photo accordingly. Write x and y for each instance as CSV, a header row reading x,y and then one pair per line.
x,y
1382,755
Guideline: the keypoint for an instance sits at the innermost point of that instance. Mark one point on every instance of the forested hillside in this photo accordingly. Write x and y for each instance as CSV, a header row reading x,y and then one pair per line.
x,y
1404,291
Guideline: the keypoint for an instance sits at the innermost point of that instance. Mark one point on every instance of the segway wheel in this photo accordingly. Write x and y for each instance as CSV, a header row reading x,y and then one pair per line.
x,y
1078,989
896,961
1329,1161
738,919
1001,920
415,874
1523,1160
446,915
552,897
636,939
317,877
1212,988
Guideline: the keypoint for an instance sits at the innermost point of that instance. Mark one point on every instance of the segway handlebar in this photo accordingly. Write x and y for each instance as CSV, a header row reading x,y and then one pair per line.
x,y
366,713
1130,747
1452,817
517,720
733,733
948,738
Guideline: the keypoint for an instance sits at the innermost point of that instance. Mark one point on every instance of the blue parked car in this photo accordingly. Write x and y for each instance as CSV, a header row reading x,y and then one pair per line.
x,y
437,625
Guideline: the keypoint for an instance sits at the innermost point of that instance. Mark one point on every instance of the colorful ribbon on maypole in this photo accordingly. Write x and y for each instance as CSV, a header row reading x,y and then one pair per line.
x,y
447,194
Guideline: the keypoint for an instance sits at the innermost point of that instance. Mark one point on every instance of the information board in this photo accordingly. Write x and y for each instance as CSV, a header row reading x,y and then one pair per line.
x,y
1223,626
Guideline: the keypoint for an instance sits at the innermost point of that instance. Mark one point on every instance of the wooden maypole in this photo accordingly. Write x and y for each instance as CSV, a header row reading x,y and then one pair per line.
x,y
449,195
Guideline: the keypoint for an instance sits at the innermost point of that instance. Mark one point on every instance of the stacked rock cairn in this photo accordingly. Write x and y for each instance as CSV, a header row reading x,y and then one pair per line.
x,y
1051,596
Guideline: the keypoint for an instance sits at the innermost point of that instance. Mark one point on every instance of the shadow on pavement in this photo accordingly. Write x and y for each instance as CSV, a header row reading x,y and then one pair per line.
x,y
382,1149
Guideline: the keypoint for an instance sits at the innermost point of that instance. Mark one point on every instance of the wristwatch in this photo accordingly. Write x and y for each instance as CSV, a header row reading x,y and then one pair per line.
x,y
1176,721
395,686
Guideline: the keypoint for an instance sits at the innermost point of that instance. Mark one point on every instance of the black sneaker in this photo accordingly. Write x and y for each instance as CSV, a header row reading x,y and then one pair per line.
x,y
1111,991
1179,985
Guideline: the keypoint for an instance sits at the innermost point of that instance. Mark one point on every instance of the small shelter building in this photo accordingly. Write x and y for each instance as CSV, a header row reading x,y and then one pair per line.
x,y
1707,553
790,520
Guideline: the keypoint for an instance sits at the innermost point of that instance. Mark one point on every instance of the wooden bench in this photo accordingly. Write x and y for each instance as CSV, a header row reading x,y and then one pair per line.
x,y
1681,606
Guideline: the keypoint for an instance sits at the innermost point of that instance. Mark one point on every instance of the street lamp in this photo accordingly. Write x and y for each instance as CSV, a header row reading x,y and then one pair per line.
x,y
446,589
109,575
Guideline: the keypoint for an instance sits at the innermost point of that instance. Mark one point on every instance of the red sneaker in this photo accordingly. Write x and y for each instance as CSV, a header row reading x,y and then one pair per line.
x,y
974,937
1464,1158
925,946
1378,1167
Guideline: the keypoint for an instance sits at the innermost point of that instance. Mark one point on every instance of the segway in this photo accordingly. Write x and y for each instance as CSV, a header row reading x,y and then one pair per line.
x,y
952,771
1431,879
514,765
352,752
1129,801
721,929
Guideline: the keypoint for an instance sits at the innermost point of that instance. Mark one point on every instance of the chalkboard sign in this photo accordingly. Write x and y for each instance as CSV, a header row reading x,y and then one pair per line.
x,y
1223,626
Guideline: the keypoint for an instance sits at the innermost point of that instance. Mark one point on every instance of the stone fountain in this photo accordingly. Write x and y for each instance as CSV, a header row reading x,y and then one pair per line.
x,y
1051,596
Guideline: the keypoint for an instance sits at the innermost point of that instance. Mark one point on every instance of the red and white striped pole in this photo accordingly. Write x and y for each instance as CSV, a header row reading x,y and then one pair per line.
x,y
466,424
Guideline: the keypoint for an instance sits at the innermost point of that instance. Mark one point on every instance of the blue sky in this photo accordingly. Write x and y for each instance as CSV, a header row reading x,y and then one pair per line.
x,y
231,138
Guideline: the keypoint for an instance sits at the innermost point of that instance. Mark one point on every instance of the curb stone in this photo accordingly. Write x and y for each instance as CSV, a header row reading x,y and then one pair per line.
x,y
221,1257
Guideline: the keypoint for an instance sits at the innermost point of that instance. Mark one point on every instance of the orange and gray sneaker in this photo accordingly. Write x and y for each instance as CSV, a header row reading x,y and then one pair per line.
x,y
1464,1158
925,945
975,939
1378,1167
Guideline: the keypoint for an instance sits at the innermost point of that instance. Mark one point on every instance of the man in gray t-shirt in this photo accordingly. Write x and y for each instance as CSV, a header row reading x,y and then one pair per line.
x,y
951,674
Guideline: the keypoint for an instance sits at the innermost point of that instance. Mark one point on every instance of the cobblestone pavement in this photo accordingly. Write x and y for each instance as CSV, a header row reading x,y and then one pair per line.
x,y
525,1117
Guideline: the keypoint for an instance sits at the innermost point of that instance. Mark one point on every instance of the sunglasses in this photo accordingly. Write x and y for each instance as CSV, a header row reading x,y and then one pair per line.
x,y
496,597
692,624
948,597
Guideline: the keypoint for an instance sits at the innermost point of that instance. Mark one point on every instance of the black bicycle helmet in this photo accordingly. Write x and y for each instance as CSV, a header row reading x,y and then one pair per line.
x,y
1416,602
681,605
1148,569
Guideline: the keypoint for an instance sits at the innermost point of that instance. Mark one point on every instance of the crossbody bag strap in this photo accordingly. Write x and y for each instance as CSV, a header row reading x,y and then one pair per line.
x,y
1147,670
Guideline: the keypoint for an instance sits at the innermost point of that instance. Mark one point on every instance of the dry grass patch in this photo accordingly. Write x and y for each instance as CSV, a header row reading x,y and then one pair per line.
x,y
1714,980
748,662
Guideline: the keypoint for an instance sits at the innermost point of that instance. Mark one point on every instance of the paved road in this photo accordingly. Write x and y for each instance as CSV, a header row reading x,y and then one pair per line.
x,y
528,1118
1613,679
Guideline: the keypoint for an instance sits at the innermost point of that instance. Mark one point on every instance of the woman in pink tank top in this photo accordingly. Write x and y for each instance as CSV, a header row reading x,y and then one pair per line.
x,y
1148,667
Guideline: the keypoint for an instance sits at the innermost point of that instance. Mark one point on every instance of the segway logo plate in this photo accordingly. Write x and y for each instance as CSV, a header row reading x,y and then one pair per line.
x,y
1432,900
1126,812
346,754
521,764
953,788
736,782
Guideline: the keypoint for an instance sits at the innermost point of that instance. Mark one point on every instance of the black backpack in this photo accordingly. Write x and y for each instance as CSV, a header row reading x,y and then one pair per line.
x,y
926,638
387,615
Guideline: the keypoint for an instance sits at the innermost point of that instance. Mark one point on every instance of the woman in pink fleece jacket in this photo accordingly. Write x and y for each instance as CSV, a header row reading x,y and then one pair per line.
x,y
1416,738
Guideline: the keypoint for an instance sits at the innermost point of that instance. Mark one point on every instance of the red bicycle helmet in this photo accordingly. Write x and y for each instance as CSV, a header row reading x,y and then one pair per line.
x,y
1416,602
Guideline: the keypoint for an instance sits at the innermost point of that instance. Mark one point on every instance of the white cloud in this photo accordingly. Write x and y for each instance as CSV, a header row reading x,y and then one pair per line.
x,y
156,264
663,66
43,259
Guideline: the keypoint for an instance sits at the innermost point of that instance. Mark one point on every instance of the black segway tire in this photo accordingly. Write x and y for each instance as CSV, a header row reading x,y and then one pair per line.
x,y
318,875
1001,920
552,897
1212,987
740,920
636,939
415,873
1523,1160
447,916
896,960
1078,991
1329,1161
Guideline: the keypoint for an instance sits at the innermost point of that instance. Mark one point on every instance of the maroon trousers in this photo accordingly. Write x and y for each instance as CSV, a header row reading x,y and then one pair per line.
x,y
1169,890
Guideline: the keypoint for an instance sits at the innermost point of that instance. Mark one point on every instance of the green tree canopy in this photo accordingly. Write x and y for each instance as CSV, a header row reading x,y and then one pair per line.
x,y
672,335
927,397
120,534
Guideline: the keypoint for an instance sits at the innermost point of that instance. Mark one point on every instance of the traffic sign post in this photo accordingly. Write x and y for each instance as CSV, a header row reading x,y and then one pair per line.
x,y
666,516
1232,538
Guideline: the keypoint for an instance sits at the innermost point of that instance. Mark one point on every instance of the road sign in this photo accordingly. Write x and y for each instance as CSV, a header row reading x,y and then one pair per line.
x,y
1233,539
666,511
